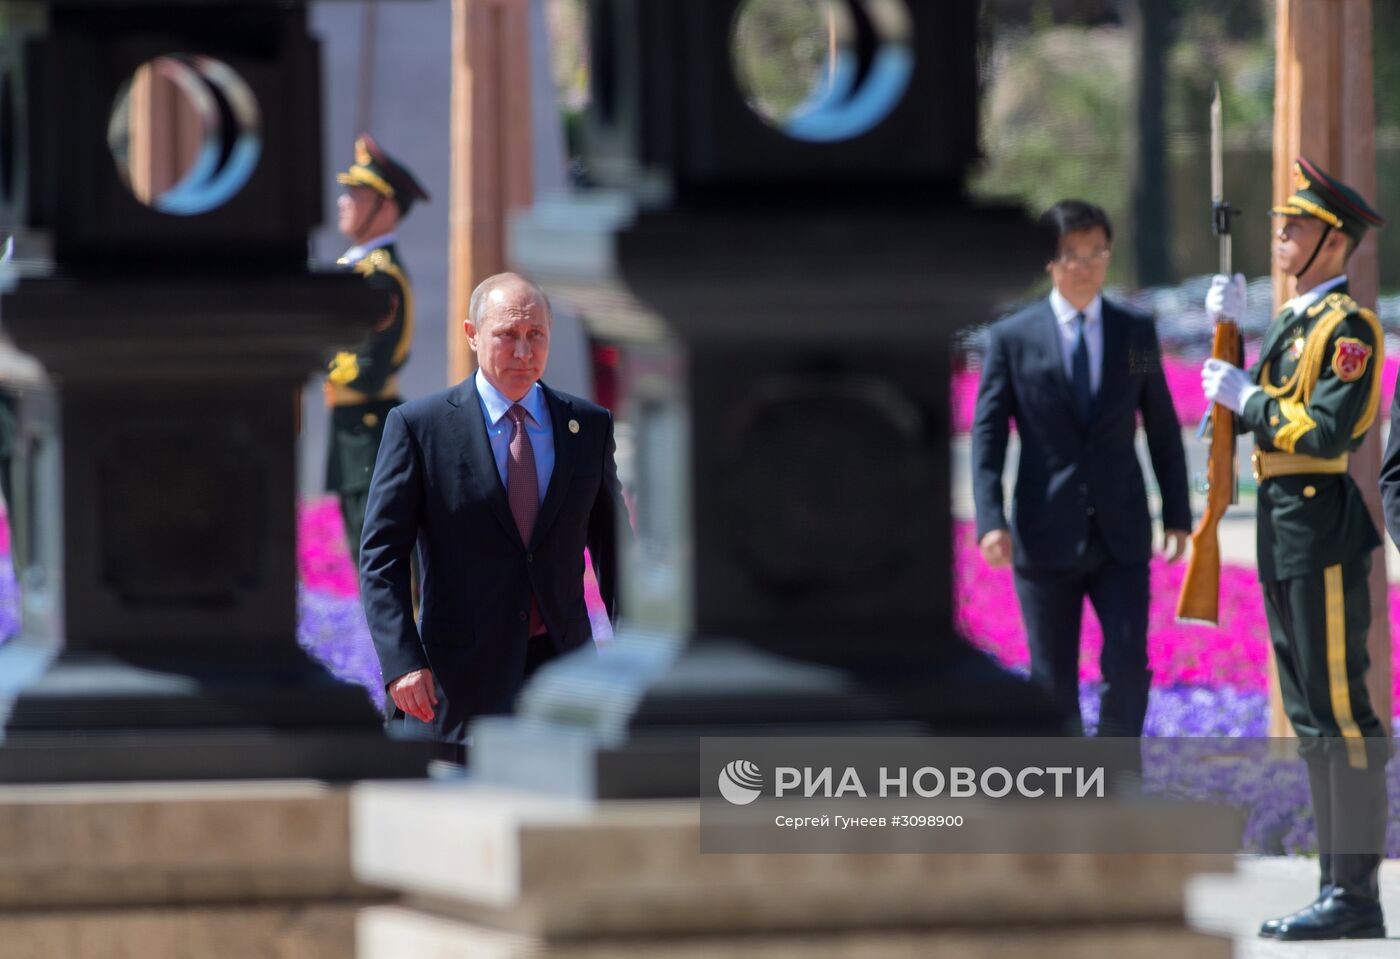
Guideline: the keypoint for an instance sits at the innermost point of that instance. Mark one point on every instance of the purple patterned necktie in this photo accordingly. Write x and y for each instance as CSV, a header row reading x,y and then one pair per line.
x,y
523,490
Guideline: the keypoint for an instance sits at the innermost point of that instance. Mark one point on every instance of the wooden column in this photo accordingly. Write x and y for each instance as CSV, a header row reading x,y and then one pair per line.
x,y
491,150
164,132
1324,108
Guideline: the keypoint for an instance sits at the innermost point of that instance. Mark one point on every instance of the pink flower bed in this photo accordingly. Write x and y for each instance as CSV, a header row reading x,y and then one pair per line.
x,y
324,560
322,555
1235,655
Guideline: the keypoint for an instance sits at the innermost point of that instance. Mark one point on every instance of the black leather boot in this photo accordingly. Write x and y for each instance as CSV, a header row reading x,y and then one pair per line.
x,y
1357,803
1351,911
1320,788
1268,929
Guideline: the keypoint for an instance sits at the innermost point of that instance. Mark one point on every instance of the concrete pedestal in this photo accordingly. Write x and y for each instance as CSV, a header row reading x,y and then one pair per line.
x,y
177,870
492,873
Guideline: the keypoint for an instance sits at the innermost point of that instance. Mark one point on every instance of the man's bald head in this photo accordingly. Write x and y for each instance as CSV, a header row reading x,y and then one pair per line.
x,y
508,325
505,289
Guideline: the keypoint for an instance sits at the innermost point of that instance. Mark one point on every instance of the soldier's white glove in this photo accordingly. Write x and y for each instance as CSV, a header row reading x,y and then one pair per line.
x,y
1227,385
1226,298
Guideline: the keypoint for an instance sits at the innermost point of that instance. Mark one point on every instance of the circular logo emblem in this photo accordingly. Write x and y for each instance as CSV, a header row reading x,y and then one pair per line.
x,y
741,782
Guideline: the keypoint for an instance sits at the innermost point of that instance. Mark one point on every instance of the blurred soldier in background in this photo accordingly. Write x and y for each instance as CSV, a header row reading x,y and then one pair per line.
x,y
362,387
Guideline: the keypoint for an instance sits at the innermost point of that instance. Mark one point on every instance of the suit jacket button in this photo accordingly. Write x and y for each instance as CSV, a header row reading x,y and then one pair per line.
x,y
524,616
1309,491
529,557
1090,511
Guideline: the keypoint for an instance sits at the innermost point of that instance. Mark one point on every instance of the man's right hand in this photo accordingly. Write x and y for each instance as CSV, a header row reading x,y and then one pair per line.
x,y
1225,299
996,549
414,694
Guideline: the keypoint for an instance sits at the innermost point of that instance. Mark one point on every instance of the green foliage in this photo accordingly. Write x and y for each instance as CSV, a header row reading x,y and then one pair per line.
x,y
1055,119
1386,44
1058,116
780,53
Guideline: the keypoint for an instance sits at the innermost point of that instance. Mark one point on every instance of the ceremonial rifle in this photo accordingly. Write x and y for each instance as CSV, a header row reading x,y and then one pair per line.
x,y
1200,590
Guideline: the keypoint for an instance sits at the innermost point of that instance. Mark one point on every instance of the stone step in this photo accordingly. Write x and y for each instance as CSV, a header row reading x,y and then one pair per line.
x,y
386,932
567,869
300,930
105,845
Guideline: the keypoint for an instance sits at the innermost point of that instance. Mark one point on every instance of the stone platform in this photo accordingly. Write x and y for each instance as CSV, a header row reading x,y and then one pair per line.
x,y
1266,886
300,869
492,873
206,870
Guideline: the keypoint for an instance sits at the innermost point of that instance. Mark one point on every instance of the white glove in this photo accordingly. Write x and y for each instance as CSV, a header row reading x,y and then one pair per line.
x,y
1227,385
1226,298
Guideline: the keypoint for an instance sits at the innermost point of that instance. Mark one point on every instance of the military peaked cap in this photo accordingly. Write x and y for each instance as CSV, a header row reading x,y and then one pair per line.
x,y
1319,195
383,174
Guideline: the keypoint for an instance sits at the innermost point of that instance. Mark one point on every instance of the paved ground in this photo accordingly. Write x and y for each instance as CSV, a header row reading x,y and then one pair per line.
x,y
1236,531
1265,887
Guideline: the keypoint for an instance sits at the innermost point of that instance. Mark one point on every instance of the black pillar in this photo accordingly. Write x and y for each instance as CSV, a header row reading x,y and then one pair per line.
x,y
787,295
158,477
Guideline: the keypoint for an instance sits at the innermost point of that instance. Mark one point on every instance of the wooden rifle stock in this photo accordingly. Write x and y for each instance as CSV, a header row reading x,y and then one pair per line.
x,y
1200,590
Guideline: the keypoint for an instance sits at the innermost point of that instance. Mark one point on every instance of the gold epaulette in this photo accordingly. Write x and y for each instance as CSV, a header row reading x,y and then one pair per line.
x,y
345,368
1295,396
377,261
1334,301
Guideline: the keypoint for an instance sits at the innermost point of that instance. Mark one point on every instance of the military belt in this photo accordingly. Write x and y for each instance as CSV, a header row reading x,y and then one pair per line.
x,y
1269,465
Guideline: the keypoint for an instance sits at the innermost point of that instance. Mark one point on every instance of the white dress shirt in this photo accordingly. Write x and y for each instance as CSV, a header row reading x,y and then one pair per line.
x,y
537,426
357,253
1302,301
1065,313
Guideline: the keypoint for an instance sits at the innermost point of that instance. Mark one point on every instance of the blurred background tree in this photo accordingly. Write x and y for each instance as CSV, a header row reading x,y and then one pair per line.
x,y
1109,101
1102,99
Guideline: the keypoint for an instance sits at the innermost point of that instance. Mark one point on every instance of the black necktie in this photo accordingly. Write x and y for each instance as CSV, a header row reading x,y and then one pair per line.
x,y
1083,387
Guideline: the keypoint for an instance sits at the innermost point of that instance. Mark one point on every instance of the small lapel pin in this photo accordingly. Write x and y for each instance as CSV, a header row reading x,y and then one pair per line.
x,y
573,426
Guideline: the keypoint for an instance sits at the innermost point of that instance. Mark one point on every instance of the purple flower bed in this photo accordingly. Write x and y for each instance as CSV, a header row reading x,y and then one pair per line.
x,y
9,596
1249,775
333,630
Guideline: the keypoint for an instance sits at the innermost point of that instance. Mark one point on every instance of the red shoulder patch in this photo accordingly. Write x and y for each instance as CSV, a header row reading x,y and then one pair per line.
x,y
1350,359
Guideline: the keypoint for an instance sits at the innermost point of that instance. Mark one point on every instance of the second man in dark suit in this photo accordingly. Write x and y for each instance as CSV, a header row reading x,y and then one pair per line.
x,y
1074,371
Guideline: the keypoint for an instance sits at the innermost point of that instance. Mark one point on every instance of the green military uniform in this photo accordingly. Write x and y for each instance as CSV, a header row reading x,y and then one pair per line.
x,y
1319,370
1321,378
363,384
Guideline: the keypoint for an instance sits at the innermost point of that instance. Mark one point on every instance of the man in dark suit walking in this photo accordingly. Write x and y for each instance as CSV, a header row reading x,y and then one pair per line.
x,y
1074,371
501,482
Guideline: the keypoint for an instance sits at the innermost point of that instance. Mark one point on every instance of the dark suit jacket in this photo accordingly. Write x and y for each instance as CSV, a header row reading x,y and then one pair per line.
x,y
1390,471
435,482
1071,476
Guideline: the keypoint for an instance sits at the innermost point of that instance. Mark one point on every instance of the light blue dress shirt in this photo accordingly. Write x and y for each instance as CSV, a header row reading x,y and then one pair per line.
x,y
1069,336
537,426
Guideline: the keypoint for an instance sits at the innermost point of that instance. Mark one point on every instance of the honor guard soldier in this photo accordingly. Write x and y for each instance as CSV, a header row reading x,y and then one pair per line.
x,y
1309,400
362,386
